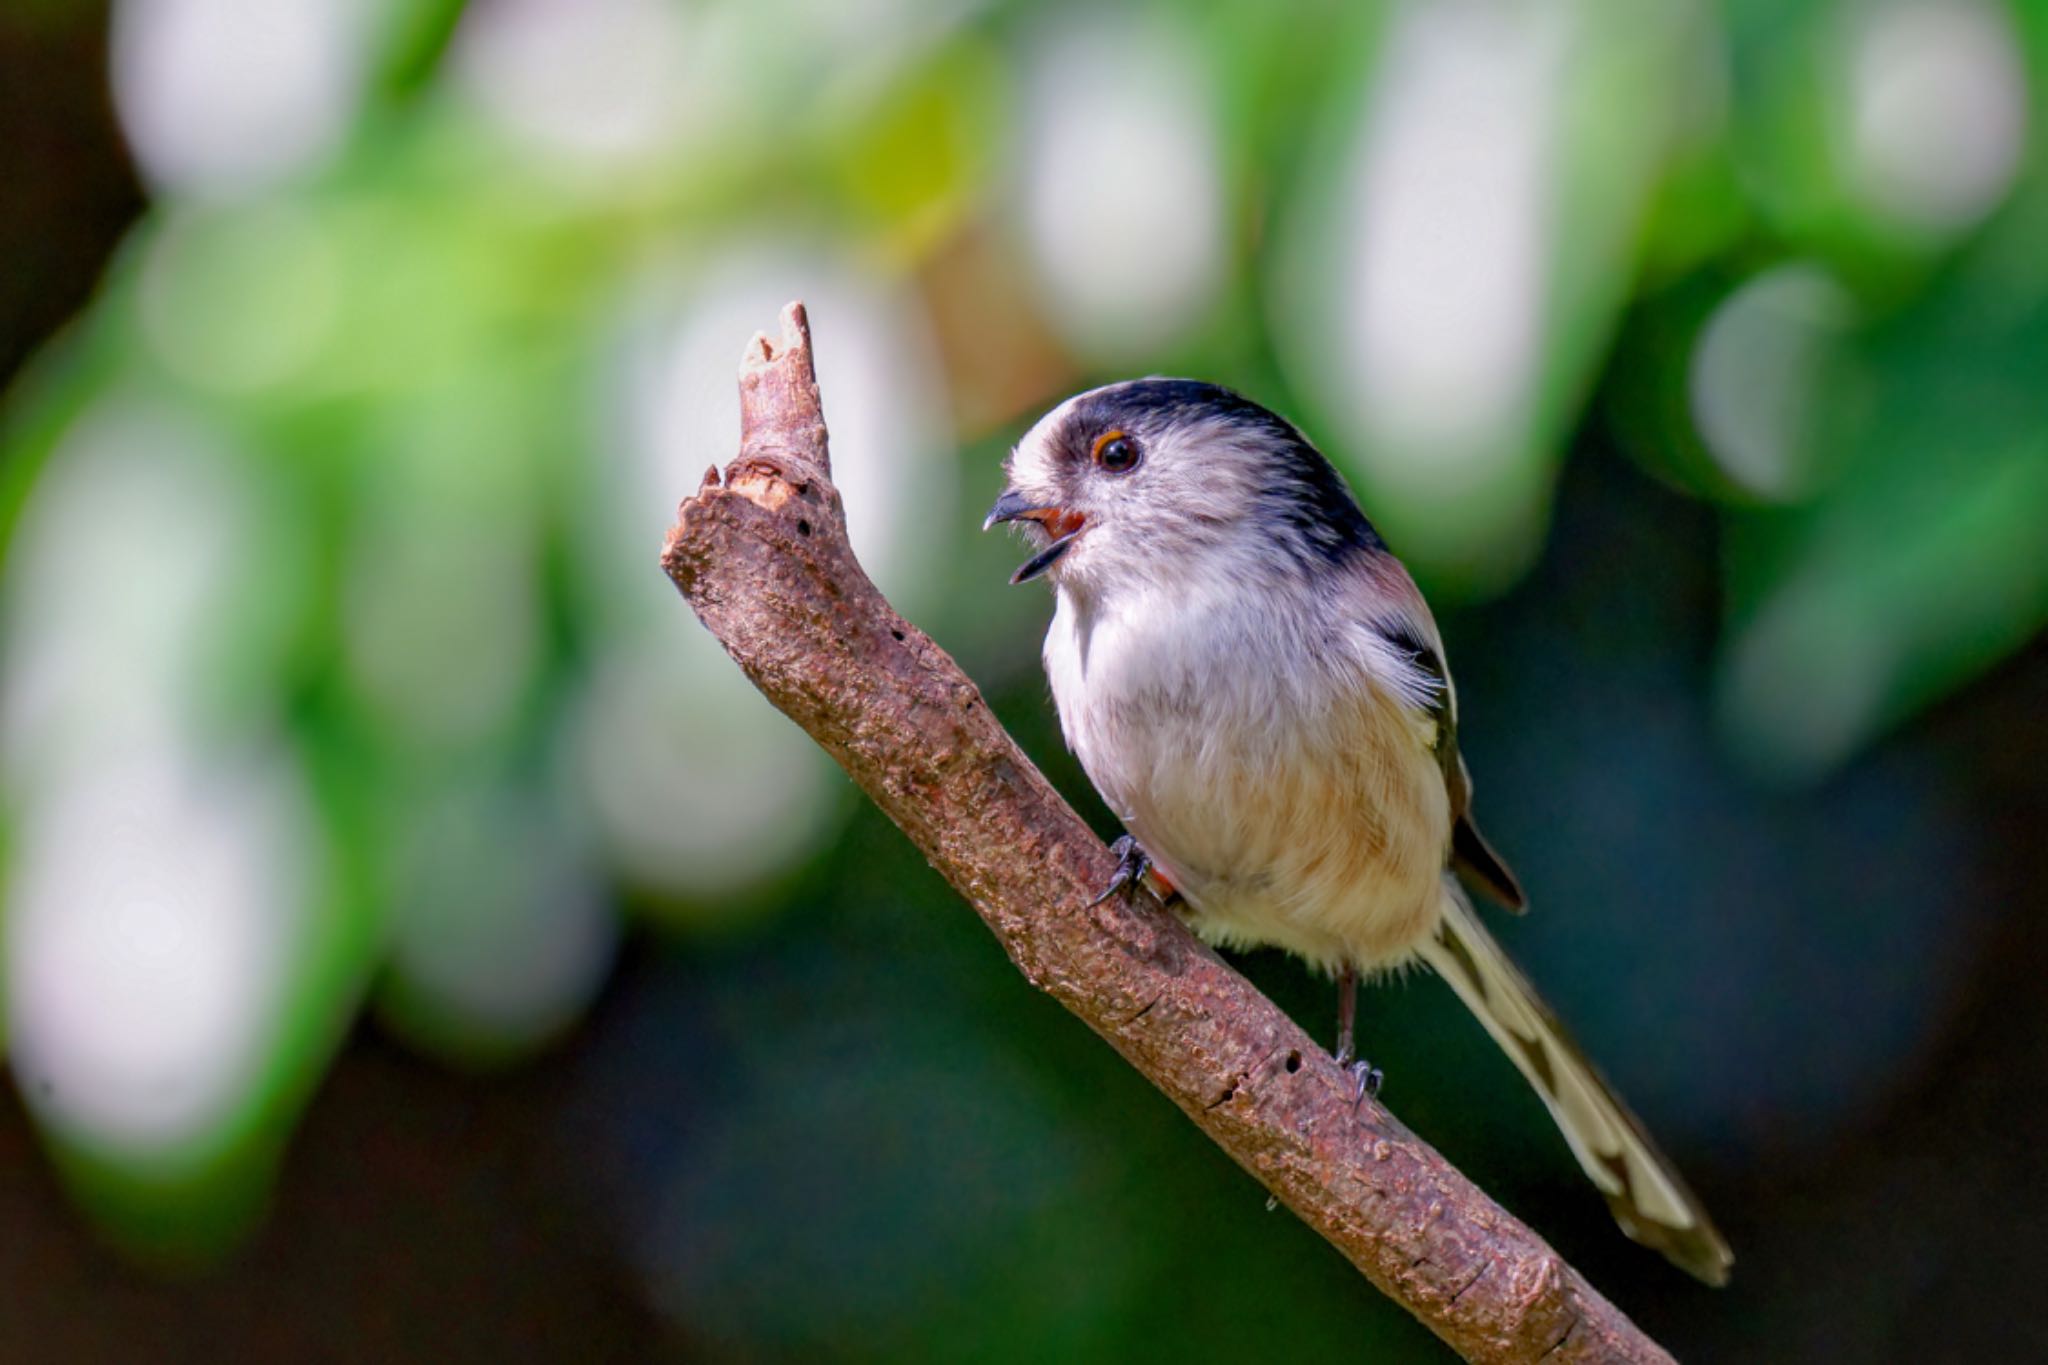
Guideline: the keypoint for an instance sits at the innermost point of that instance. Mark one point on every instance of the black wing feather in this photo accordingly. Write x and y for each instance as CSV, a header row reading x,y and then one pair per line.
x,y
1469,853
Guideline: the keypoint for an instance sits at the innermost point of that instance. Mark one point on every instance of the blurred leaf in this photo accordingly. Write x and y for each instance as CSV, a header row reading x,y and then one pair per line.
x,y
916,164
501,926
1925,562
1448,287
416,35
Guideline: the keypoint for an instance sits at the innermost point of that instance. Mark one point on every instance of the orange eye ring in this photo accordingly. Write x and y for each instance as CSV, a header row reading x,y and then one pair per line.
x,y
1115,452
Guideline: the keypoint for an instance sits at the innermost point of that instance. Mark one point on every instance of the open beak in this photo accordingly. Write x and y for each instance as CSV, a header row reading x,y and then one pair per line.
x,y
1057,522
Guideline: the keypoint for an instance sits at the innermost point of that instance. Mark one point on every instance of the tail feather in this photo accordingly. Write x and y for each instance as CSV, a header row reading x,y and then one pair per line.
x,y
1647,1196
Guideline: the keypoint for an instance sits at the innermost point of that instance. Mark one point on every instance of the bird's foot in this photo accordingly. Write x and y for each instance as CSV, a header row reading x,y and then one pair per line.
x,y
1367,1077
1132,863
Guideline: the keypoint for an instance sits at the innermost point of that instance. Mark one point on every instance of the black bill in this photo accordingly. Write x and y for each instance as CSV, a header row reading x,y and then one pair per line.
x,y
1044,559
1063,526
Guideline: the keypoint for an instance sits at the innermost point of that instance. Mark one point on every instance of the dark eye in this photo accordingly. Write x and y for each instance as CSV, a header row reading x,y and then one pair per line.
x,y
1116,452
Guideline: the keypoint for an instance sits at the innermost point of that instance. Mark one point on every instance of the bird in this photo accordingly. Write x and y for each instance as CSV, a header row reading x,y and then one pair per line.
x,y
1255,686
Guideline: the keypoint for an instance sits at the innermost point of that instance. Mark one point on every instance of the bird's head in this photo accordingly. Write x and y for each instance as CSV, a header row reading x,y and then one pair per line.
x,y
1153,481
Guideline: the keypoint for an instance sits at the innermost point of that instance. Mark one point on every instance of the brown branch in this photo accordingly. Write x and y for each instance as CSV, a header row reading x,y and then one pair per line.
x,y
762,556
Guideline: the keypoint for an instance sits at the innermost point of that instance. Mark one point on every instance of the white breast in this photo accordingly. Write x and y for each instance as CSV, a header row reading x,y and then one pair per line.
x,y
1284,788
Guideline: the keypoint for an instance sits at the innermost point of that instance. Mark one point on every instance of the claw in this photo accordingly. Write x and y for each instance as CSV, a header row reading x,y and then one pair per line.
x,y
1132,863
1368,1076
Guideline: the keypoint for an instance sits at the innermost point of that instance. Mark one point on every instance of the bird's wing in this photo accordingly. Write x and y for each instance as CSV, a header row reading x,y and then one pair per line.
x,y
1401,618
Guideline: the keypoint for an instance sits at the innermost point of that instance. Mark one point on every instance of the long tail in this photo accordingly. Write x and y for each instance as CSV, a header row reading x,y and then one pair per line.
x,y
1648,1198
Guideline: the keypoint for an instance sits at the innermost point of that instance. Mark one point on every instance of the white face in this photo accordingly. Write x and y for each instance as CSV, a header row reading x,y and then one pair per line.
x,y
1133,490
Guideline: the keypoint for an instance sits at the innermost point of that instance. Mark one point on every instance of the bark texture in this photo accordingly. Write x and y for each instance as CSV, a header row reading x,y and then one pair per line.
x,y
761,554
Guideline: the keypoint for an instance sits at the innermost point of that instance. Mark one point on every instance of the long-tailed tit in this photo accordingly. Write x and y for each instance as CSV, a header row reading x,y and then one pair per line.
x,y
1257,689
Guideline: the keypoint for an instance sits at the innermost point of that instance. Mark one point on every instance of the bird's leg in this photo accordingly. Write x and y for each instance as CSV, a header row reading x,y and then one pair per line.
x,y
1347,1013
1365,1073
1132,863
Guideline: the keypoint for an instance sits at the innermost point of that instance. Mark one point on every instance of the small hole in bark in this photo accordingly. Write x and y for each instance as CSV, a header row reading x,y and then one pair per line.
x,y
803,528
1293,1062
897,633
